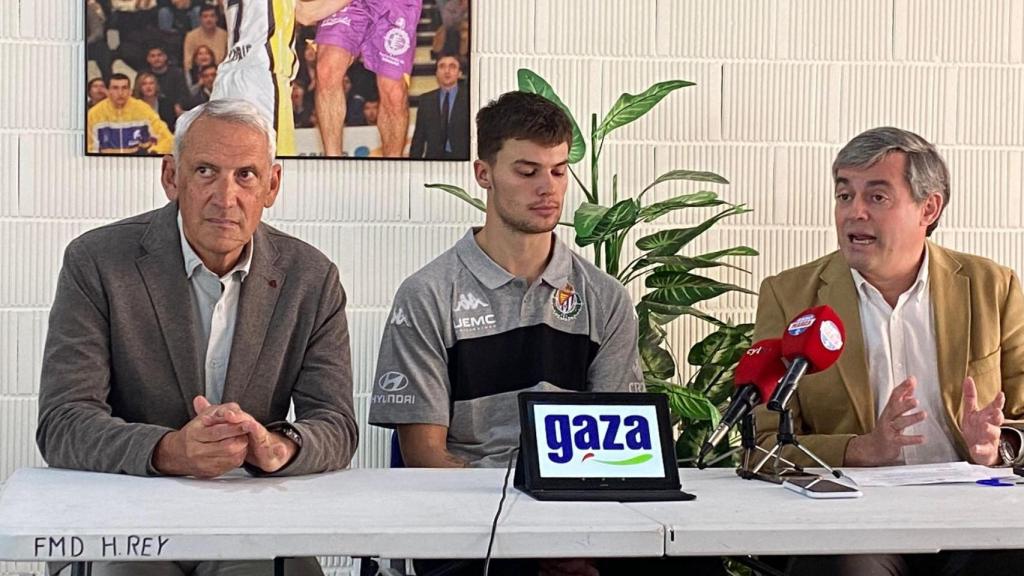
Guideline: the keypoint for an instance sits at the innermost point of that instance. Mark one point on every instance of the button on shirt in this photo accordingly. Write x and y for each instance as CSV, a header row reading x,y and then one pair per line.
x,y
216,302
900,342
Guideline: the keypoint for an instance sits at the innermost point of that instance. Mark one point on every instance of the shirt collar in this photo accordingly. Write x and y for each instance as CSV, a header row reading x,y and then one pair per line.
x,y
916,290
193,261
492,275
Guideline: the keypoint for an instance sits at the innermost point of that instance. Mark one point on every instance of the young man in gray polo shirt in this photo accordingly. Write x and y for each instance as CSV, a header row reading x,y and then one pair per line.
x,y
508,308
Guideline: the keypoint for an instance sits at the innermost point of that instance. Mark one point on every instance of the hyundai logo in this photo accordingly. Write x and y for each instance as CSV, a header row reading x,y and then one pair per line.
x,y
392,382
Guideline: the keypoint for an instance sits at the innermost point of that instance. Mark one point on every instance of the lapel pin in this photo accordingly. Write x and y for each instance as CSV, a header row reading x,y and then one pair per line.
x,y
273,283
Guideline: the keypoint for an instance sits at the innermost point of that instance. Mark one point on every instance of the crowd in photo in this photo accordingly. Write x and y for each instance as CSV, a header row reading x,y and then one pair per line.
x,y
170,51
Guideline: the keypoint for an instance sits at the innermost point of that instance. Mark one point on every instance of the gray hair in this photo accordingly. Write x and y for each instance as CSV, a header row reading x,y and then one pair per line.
x,y
926,171
229,110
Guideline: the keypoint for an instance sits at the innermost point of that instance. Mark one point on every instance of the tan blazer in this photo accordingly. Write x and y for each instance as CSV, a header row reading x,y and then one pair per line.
x,y
979,326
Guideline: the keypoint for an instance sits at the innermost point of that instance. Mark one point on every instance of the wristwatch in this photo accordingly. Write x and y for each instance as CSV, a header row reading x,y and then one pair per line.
x,y
1010,455
288,431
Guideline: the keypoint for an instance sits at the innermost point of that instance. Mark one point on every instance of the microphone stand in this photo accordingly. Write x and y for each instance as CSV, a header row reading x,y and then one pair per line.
x,y
748,443
786,437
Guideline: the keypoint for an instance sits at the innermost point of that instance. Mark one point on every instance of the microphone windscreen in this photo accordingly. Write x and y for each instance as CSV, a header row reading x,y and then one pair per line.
x,y
761,366
817,335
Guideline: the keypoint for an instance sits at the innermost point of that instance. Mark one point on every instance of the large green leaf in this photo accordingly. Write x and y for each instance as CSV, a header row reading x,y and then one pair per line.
x,y
695,200
664,312
691,175
620,216
690,404
656,361
685,289
629,107
461,195
722,348
734,251
530,81
668,242
679,263
586,218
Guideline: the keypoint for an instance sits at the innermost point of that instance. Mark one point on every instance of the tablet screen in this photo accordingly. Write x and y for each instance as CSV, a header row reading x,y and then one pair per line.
x,y
598,441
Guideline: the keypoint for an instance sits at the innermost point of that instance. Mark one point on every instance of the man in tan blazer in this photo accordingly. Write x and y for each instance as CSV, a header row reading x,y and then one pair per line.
x,y
178,338
933,364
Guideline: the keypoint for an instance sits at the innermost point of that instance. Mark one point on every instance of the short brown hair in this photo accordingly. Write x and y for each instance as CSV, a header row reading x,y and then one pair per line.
x,y
520,116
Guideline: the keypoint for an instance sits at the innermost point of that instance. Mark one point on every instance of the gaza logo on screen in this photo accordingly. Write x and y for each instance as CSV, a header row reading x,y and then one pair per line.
x,y
607,438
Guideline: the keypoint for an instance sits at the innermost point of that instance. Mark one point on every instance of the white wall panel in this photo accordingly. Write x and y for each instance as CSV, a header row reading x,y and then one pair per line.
x,y
10,20
985,189
779,102
916,98
803,185
18,430
58,181
989,110
503,26
35,249
22,334
53,19
433,205
986,31
10,195
836,30
345,191
595,27
41,86
716,29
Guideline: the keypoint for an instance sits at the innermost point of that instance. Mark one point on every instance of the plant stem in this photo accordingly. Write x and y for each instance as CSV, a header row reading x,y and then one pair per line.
x,y
594,155
590,197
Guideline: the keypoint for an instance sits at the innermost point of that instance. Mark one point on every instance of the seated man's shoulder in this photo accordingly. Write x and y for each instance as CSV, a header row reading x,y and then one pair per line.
x,y
981,270
433,281
805,274
114,240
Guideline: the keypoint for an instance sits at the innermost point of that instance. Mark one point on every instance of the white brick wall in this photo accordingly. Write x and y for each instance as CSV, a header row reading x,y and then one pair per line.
x,y
782,84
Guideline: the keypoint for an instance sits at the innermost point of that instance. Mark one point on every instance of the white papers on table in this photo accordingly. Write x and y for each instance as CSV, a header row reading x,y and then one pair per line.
x,y
917,474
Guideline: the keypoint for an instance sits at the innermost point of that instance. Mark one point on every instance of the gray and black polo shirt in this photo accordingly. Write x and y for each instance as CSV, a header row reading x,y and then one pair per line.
x,y
465,337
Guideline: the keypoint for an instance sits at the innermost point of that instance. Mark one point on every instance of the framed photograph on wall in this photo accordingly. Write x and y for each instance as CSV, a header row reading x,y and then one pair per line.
x,y
338,78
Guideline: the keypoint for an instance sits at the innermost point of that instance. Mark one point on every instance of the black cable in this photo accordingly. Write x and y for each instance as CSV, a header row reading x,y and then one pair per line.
x,y
494,524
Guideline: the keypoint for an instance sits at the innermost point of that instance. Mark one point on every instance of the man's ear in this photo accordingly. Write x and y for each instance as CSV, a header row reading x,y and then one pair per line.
x,y
168,175
932,209
275,185
482,171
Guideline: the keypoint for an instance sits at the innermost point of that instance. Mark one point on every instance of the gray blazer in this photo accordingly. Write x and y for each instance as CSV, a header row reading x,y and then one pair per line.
x,y
122,365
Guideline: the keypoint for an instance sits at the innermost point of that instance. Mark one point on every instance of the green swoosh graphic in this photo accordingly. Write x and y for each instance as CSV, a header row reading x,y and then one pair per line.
x,y
628,461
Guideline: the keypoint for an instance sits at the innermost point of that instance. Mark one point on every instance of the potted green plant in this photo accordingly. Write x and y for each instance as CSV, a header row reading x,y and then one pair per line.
x,y
671,278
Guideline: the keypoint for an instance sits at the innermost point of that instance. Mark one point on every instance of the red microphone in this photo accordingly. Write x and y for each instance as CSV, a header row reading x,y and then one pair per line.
x,y
813,341
757,374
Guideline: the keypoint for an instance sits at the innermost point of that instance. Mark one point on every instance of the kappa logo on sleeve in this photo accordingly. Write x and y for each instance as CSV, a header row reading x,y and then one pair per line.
x,y
390,384
398,318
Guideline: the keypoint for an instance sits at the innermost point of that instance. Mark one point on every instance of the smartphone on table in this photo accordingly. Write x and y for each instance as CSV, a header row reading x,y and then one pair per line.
x,y
821,487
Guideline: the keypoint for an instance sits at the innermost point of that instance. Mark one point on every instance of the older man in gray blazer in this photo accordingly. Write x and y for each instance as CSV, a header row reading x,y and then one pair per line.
x,y
179,337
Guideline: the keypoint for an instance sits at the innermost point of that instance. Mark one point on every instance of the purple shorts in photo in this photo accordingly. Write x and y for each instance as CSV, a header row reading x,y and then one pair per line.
x,y
383,32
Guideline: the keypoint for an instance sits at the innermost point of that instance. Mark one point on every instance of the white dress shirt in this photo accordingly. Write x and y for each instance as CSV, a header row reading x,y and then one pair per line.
x,y
216,302
900,342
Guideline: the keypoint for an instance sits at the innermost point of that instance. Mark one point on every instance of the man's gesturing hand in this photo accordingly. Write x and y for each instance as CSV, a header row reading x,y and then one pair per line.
x,y
981,427
885,443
